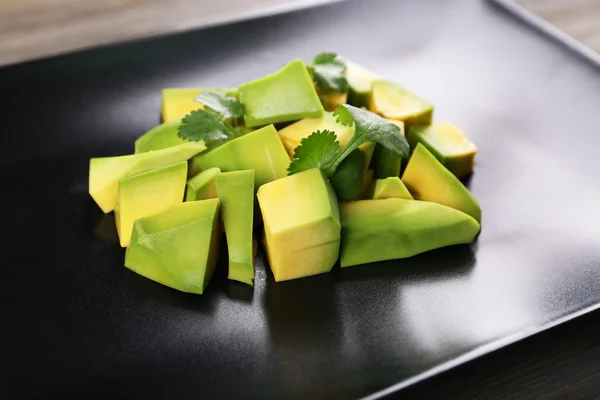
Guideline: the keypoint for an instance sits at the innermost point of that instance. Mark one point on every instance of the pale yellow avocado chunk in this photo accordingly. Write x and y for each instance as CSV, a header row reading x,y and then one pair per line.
x,y
178,102
106,172
148,193
387,188
393,101
301,222
448,143
292,134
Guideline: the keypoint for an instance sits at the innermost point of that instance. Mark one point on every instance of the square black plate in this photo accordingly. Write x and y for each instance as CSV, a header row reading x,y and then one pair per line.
x,y
79,323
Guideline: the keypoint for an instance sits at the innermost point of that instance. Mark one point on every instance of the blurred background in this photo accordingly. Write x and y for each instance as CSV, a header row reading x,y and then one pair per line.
x,y
31,29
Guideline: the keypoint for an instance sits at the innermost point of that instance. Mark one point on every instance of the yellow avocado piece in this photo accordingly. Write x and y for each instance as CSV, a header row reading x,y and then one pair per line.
x,y
300,212
393,101
292,134
146,194
178,102
177,247
428,180
202,186
106,172
387,188
448,144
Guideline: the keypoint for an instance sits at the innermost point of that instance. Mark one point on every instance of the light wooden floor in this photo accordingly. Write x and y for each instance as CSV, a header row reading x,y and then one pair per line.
x,y
30,29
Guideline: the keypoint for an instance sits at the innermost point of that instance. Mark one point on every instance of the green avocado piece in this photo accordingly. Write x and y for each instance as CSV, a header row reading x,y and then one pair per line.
x,y
448,144
178,102
178,247
286,95
349,175
160,137
148,193
260,150
106,172
236,193
393,101
301,224
386,163
202,186
378,230
388,188
292,134
360,83
428,180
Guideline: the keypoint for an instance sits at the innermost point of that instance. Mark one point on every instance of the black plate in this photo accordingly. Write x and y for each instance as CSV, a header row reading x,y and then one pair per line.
x,y
79,323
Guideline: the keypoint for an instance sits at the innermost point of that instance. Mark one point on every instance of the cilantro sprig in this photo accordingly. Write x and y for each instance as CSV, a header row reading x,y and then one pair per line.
x,y
328,73
207,125
319,150
228,106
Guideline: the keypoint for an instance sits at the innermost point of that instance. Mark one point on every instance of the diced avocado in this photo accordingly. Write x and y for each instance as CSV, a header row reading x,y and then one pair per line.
x,y
106,172
236,193
360,83
332,100
378,230
448,144
292,134
260,150
367,182
178,102
349,175
178,247
393,101
388,188
148,193
428,180
160,137
286,95
301,224
386,163
202,186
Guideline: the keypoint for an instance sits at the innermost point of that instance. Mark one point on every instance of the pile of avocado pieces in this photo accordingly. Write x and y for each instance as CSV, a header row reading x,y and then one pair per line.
x,y
173,197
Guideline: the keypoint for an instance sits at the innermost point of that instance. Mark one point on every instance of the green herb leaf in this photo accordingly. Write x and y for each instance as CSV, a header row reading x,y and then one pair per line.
x,y
207,125
328,73
369,127
315,151
228,106
348,177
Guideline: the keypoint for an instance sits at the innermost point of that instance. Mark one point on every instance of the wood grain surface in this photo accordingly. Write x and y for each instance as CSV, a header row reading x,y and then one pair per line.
x,y
31,29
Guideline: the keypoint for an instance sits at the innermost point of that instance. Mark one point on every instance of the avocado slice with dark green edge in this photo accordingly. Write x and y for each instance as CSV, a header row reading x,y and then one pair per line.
x,y
177,102
178,247
286,95
360,83
386,163
448,144
427,179
393,101
378,230
236,193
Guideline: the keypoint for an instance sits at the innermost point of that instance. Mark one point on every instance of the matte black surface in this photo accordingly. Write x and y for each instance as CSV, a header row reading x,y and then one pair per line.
x,y
79,323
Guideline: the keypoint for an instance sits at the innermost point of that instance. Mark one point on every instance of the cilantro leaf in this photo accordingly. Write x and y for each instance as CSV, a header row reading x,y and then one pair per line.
x,y
369,127
228,106
315,151
207,125
328,73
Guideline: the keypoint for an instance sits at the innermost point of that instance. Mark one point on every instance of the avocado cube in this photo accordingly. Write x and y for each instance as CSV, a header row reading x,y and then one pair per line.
x,y
360,83
385,162
378,230
301,223
286,95
260,150
160,137
146,194
393,101
202,186
448,144
236,193
388,188
178,102
106,172
428,180
178,247
292,134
